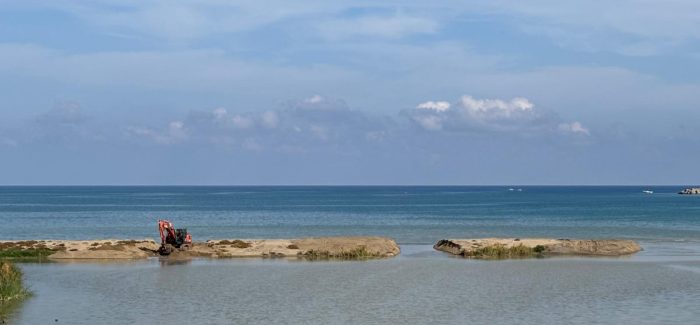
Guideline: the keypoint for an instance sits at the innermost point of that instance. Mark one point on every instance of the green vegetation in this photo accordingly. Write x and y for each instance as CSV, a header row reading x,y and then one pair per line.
x,y
26,250
235,243
500,251
11,286
539,249
359,253
25,253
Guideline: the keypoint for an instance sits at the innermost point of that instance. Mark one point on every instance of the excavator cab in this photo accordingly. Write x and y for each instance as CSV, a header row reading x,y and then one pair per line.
x,y
181,237
171,238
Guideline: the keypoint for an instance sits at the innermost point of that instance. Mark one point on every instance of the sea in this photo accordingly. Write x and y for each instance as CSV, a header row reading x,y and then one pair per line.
x,y
660,285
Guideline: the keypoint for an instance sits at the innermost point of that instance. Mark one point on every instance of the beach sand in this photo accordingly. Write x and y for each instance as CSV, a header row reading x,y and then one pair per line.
x,y
322,247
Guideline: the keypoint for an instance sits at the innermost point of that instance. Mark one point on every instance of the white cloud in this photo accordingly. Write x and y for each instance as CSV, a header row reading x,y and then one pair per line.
x,y
66,114
319,132
439,106
315,99
429,122
146,133
270,119
318,102
220,113
574,127
241,122
174,133
516,115
317,121
495,108
321,122
176,129
304,124
471,113
64,122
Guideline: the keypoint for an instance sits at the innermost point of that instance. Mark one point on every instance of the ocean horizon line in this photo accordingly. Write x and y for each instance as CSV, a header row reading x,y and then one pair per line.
x,y
347,185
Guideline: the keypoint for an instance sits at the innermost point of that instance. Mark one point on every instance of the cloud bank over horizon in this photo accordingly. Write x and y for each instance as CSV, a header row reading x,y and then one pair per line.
x,y
361,92
314,140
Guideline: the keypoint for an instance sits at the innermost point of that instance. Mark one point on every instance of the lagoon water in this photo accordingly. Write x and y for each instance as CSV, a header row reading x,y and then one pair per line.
x,y
421,286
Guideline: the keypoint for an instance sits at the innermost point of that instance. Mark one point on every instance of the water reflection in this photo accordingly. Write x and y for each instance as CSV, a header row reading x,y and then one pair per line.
x,y
9,309
165,262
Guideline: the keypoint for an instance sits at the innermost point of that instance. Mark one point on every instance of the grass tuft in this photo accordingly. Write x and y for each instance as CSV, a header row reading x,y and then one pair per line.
x,y
500,251
237,243
539,249
359,253
25,253
11,286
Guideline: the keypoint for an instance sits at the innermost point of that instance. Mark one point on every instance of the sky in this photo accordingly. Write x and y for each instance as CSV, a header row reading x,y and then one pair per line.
x,y
358,92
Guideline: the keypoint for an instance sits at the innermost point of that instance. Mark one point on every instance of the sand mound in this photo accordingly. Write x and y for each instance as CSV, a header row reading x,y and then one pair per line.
x,y
535,247
326,247
347,247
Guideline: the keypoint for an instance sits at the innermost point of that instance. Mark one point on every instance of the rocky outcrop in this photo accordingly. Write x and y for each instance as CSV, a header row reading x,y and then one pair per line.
x,y
499,248
690,191
312,248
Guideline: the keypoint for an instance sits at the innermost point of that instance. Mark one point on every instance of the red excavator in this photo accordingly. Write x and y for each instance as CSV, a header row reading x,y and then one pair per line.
x,y
172,239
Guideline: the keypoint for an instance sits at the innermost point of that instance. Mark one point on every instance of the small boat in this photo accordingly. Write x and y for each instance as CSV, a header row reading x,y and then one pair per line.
x,y
648,191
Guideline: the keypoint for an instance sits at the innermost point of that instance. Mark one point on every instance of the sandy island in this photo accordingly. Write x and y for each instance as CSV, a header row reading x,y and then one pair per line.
x,y
490,248
310,248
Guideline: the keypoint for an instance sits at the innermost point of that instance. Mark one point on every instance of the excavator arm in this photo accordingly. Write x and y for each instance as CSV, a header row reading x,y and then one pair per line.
x,y
166,230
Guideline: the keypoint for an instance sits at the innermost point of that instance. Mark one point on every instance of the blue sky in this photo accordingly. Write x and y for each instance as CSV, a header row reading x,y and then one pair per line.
x,y
361,92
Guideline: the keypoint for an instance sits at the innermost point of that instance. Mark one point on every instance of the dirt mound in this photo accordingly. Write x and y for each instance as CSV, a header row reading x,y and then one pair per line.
x,y
78,249
325,247
347,247
498,248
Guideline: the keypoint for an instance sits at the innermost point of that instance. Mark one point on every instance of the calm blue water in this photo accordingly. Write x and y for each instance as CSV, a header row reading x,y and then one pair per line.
x,y
409,214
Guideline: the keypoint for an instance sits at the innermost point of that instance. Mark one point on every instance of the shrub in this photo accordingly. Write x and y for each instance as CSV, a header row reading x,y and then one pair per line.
x,y
539,249
359,253
237,243
28,253
240,244
500,251
11,286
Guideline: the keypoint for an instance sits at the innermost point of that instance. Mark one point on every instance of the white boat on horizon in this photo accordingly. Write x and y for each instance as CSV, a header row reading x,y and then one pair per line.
x,y
648,191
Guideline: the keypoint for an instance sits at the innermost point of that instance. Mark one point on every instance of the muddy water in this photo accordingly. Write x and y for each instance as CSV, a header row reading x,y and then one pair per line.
x,y
659,285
